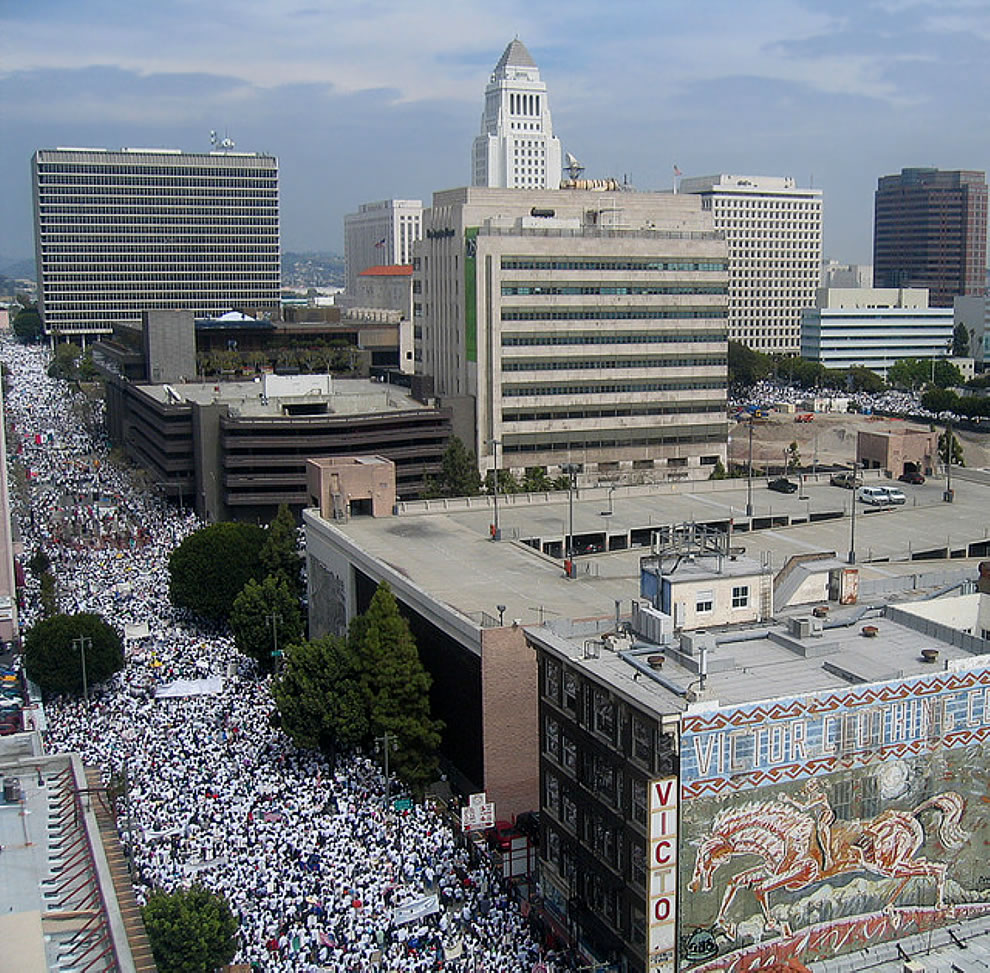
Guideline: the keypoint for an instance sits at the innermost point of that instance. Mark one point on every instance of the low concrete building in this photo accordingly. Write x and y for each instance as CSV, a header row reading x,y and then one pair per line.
x,y
899,449
350,484
239,449
874,327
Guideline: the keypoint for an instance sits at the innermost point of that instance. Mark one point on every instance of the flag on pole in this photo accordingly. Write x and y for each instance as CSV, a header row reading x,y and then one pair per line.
x,y
381,242
677,172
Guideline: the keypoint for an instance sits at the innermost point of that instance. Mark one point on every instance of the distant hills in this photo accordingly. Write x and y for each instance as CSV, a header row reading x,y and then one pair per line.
x,y
17,267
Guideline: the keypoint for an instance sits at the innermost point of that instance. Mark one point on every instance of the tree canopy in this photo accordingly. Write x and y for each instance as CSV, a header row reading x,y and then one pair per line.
x,y
55,663
459,476
337,693
280,552
190,930
27,325
960,341
396,687
319,696
265,615
746,366
210,567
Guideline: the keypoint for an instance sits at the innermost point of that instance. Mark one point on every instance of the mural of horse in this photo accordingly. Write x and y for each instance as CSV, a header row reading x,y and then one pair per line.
x,y
798,848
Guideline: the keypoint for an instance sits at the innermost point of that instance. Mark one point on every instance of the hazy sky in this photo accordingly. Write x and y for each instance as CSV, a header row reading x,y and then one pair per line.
x,y
382,98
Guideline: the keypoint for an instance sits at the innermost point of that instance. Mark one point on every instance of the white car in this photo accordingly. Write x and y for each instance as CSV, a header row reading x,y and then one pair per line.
x,y
894,494
873,495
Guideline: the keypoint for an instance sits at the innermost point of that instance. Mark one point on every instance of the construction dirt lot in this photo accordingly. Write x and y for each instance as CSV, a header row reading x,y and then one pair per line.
x,y
829,440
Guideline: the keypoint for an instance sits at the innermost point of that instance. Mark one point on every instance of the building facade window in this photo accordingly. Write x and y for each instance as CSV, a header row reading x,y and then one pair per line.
x,y
704,602
740,596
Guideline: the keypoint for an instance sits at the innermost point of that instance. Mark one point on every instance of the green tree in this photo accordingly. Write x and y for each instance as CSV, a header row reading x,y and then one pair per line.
x,y
65,363
27,325
939,400
862,379
957,450
792,458
280,552
718,471
39,562
396,687
909,373
459,476
55,664
210,567
960,341
191,930
319,696
256,631
536,480
947,374
48,594
746,366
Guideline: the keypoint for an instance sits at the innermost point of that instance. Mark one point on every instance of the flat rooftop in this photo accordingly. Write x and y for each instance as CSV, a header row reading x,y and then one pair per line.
x,y
443,547
342,396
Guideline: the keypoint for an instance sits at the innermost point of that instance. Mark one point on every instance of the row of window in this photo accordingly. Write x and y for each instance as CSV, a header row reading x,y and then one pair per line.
x,y
533,340
605,388
157,209
617,263
578,364
684,407
185,221
55,171
611,314
577,440
525,290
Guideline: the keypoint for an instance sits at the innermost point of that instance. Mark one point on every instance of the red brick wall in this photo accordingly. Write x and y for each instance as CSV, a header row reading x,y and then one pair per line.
x,y
510,724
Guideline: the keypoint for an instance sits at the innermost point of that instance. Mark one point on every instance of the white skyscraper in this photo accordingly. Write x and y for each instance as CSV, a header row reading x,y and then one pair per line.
x,y
516,148
380,234
774,232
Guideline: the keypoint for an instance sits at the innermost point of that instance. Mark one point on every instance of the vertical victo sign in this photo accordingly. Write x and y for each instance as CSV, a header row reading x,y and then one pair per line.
x,y
661,889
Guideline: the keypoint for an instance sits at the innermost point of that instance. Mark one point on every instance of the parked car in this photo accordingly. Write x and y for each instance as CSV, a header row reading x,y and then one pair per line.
x,y
894,494
783,485
875,496
845,479
805,417
912,476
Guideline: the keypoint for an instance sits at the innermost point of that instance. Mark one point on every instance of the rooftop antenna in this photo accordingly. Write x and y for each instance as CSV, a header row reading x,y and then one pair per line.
x,y
224,143
573,167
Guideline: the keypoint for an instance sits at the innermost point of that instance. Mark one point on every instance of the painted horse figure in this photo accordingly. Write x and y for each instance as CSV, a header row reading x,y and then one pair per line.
x,y
796,849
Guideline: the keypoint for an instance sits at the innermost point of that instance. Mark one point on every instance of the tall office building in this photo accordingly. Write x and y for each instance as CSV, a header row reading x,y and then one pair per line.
x,y
380,234
118,233
773,230
516,148
930,230
572,326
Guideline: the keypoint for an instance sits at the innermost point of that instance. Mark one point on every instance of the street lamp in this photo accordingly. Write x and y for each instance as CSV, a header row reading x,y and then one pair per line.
x,y
496,531
80,645
572,470
852,528
948,496
501,615
749,471
272,621
383,744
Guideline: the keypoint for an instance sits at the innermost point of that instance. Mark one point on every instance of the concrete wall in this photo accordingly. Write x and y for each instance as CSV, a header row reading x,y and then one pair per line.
x,y
510,722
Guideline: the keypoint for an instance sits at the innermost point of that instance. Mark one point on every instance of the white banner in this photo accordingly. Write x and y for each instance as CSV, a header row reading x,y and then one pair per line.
x,y
190,687
415,909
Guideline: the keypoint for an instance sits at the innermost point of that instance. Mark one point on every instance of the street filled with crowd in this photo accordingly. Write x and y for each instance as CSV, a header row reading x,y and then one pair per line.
x,y
320,871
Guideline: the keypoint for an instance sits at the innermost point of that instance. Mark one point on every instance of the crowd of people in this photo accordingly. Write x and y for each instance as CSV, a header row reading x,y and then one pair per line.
x,y
311,859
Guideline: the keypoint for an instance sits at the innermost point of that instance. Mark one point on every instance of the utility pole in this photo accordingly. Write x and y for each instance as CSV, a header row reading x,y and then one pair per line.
x,y
496,531
80,645
384,744
852,529
948,496
749,471
272,621
571,469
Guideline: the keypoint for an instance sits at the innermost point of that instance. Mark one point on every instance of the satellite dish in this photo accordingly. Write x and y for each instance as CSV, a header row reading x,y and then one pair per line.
x,y
573,167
